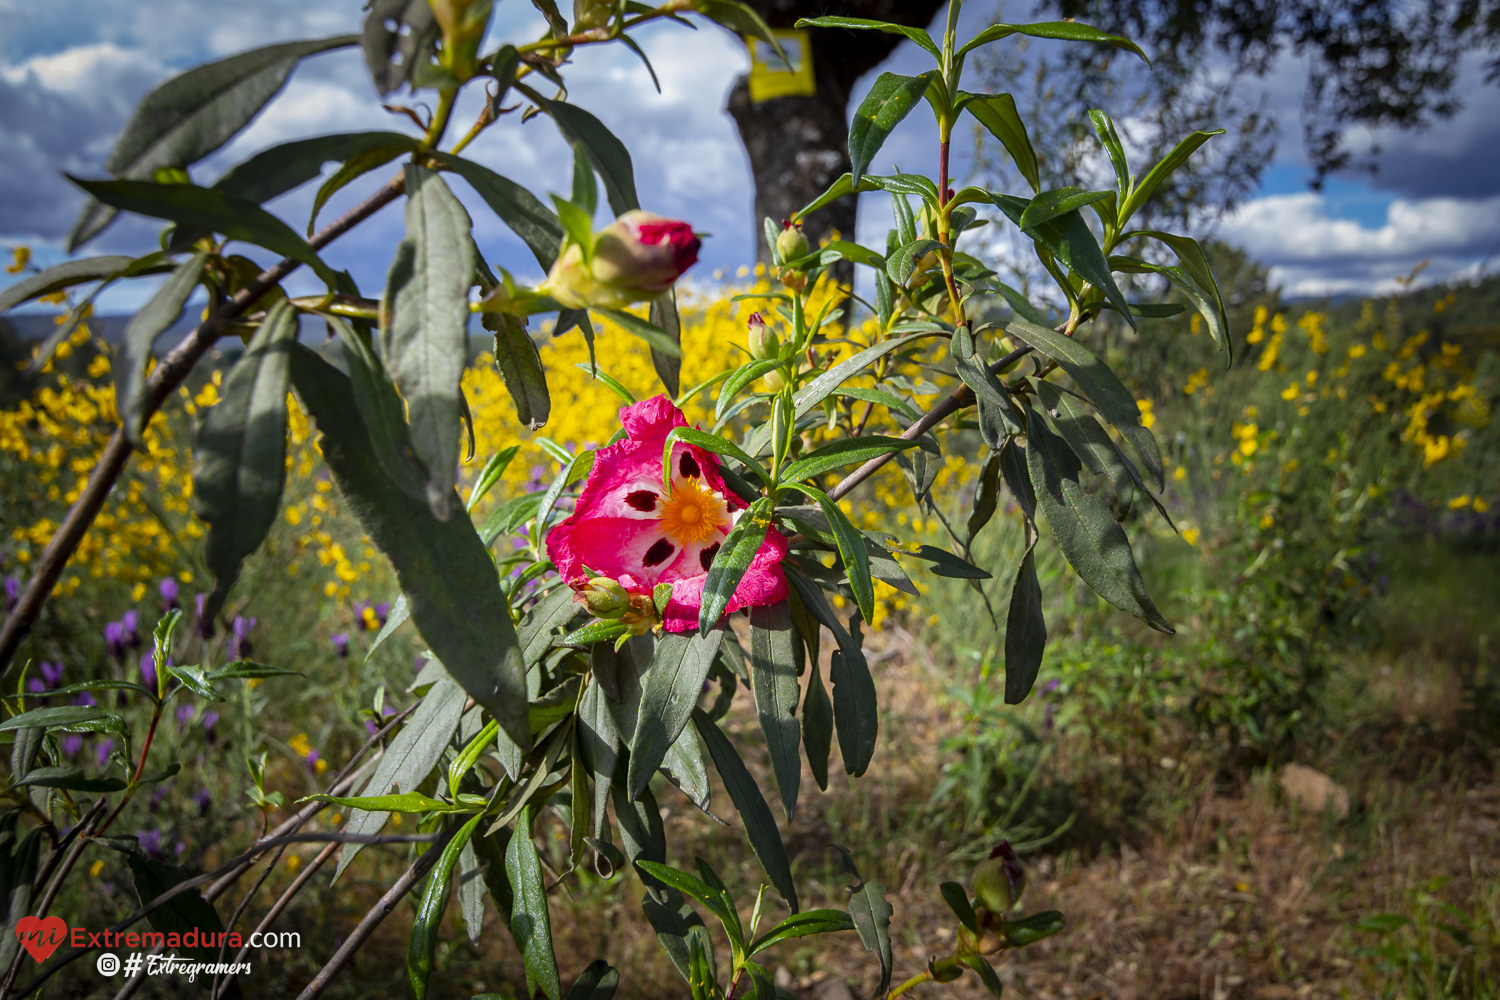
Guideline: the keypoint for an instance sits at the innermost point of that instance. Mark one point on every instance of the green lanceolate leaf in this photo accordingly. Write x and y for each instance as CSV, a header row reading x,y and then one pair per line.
x,y
667,364
660,340
851,546
355,167
985,972
903,262
429,917
1102,387
987,388
998,114
1068,31
183,912
447,576
760,824
61,276
813,393
847,451
1085,529
773,679
211,211
521,370
986,498
1204,303
1050,204
917,35
817,727
67,718
1154,177
195,113
196,680
597,982
400,38
840,188
855,709
408,760
404,802
1068,238
424,326
1088,439
517,207
1105,127
530,922
710,896
737,17
18,866
493,469
275,171
803,924
159,313
1028,930
889,101
70,778
671,688
383,411
958,901
608,153
241,453
1195,264
715,444
731,561
872,919
1025,630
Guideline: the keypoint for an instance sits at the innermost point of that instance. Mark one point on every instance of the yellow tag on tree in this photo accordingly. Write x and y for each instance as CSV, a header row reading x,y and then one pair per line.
x,y
771,76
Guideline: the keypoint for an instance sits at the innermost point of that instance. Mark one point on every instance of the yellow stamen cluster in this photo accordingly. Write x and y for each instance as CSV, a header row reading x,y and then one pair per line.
x,y
692,513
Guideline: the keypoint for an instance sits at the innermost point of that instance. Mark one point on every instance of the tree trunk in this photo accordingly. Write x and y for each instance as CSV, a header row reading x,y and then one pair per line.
x,y
800,145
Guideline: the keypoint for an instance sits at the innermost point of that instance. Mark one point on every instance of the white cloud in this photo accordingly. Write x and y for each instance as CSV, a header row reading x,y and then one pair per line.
x,y
1312,253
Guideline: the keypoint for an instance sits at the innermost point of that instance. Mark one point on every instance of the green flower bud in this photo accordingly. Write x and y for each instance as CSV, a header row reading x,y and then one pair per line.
x,y
999,879
792,279
763,340
592,13
791,244
605,598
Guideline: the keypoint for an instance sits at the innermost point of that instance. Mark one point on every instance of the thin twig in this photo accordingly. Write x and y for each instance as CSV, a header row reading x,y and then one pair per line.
x,y
164,380
220,988
372,920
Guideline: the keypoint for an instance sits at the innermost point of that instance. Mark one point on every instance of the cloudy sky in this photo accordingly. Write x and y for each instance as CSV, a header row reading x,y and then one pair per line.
x,y
71,71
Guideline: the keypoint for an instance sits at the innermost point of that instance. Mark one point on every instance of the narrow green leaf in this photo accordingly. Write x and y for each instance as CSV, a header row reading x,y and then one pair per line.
x,y
903,263
1048,205
842,187
608,153
493,469
1085,529
985,972
382,409
429,916
667,364
1110,139
275,171
61,276
735,554
670,691
70,778
196,680
851,547
1194,264
855,707
801,925
212,211
400,39
738,17
153,319
424,327
760,824
660,340
517,207
872,919
1102,387
1025,631
817,727
250,670
715,444
18,866
405,802
1028,930
890,99
184,912
773,679
1159,173
813,393
1068,31
846,451
361,163
443,568
1068,238
520,365
693,886
69,718
597,982
986,498
957,899
530,922
917,35
998,114
241,453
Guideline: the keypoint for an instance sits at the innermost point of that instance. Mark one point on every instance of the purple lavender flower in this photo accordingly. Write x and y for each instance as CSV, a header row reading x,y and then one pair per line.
x,y
1047,716
419,662
239,642
51,673
12,593
148,670
204,798
71,744
114,640
205,627
35,686
1052,685
130,622
383,611
341,645
178,848
372,727
85,699
210,720
169,592
102,752
185,715
312,761
150,841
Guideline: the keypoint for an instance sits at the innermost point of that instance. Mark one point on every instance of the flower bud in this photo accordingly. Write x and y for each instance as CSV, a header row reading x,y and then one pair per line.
x,y
792,244
763,340
605,598
591,13
635,258
463,23
792,279
773,380
999,879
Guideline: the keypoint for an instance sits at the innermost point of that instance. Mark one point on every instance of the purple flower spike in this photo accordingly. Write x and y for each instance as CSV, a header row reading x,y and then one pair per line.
x,y
169,592
205,627
204,798
312,761
148,669
341,645
114,640
35,686
86,700
239,642
71,744
383,611
130,622
150,841
210,720
185,715
12,593
51,673
102,752
371,727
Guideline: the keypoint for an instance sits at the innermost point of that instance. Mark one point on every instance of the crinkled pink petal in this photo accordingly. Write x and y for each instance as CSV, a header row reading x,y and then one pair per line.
x,y
764,583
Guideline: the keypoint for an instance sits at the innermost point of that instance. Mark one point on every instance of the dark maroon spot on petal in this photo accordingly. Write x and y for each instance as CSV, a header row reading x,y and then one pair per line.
x,y
658,553
642,500
688,466
706,557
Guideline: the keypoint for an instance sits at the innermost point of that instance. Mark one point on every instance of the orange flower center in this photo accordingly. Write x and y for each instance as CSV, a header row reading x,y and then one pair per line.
x,y
692,513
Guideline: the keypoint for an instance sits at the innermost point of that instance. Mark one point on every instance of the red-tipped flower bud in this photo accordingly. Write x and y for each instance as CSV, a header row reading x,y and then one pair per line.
x,y
792,279
999,879
635,258
763,340
605,598
792,244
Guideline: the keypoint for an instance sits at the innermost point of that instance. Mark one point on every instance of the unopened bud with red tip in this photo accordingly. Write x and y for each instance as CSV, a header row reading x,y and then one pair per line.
x,y
635,258
999,879
792,279
792,244
763,340
605,598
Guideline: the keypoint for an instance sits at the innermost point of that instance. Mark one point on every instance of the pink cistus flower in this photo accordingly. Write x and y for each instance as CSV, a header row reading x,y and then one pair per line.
x,y
627,528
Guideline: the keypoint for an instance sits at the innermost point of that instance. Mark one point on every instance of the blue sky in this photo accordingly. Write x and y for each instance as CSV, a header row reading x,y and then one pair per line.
x,y
70,72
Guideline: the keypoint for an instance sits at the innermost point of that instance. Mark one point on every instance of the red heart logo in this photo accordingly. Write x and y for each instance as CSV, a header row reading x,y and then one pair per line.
x,y
41,937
